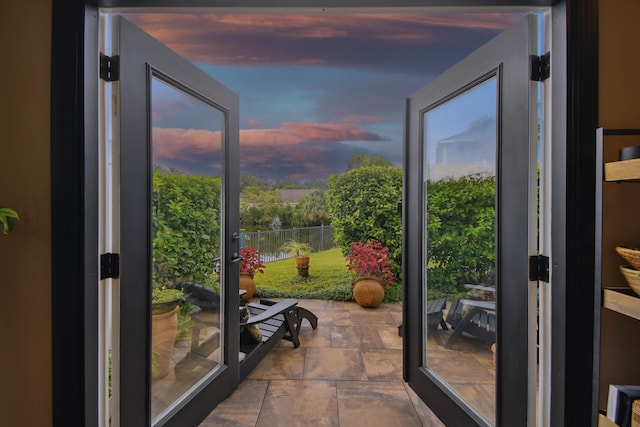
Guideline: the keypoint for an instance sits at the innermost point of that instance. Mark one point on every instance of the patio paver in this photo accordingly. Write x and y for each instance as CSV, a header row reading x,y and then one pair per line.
x,y
300,403
348,372
374,403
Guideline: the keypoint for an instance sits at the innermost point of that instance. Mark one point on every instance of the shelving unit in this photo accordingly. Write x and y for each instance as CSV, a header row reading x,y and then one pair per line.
x,y
622,300
625,170
617,306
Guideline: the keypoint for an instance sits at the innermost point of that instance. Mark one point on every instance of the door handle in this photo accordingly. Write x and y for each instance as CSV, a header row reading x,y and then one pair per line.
x,y
236,258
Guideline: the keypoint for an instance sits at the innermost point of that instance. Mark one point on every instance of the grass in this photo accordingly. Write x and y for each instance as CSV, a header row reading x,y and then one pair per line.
x,y
328,279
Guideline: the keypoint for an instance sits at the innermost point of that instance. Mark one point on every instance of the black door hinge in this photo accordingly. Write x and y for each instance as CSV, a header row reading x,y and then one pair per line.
x,y
539,268
540,67
109,266
109,68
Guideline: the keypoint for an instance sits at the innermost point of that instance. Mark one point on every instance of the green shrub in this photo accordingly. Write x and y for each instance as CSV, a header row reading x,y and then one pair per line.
x,y
364,203
461,231
186,226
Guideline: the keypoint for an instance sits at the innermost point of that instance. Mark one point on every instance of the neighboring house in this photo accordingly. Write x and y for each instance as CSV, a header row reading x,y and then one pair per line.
x,y
477,144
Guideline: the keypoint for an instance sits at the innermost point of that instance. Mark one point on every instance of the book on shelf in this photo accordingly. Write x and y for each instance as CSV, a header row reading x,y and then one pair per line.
x,y
620,403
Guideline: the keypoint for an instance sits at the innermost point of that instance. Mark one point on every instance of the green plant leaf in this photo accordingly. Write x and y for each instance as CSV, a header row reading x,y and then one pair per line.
x,y
8,218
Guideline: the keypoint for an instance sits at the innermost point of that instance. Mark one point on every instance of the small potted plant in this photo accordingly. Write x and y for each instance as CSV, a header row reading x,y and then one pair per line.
x,y
8,218
165,299
250,264
164,326
371,266
300,252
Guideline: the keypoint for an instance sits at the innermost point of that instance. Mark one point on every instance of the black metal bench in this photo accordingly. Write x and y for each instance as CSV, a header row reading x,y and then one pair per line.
x,y
435,309
276,321
434,313
476,318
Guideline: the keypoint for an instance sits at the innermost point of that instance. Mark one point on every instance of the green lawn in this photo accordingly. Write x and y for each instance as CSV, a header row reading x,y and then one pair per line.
x,y
328,279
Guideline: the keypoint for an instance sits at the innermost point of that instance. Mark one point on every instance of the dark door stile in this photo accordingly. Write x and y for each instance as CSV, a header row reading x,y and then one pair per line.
x,y
141,59
505,58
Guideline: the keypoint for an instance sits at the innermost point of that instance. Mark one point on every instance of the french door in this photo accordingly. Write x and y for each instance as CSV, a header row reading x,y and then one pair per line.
x,y
470,222
175,208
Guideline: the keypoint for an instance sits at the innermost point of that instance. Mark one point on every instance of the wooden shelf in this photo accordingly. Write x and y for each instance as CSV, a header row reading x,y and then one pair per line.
x,y
624,170
622,300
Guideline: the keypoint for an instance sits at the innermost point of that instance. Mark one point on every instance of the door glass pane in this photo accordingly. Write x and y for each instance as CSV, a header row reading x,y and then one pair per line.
x,y
460,145
187,138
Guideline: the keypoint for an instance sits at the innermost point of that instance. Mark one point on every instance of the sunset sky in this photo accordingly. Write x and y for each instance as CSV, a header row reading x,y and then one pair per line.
x,y
313,89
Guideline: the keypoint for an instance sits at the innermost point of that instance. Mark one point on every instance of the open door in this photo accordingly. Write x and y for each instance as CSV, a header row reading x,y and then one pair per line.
x,y
175,209
470,223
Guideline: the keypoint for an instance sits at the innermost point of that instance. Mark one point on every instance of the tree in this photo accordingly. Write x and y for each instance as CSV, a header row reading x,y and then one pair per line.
x,y
258,207
359,160
254,181
312,210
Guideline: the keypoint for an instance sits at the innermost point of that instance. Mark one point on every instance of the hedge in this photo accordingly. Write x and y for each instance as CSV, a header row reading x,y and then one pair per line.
x,y
186,226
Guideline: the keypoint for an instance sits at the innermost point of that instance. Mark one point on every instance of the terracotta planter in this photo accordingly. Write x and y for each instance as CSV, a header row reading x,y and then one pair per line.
x,y
302,264
302,261
368,292
163,335
248,284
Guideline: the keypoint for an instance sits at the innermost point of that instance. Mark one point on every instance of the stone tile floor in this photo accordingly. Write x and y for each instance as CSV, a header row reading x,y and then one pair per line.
x,y
347,372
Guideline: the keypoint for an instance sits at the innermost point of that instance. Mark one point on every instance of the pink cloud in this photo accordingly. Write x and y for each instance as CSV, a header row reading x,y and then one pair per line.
x,y
478,21
235,39
254,122
191,145
295,150
309,161
294,133
196,144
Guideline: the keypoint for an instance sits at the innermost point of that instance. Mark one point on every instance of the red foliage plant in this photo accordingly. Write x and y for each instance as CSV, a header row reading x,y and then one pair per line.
x,y
251,262
371,259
